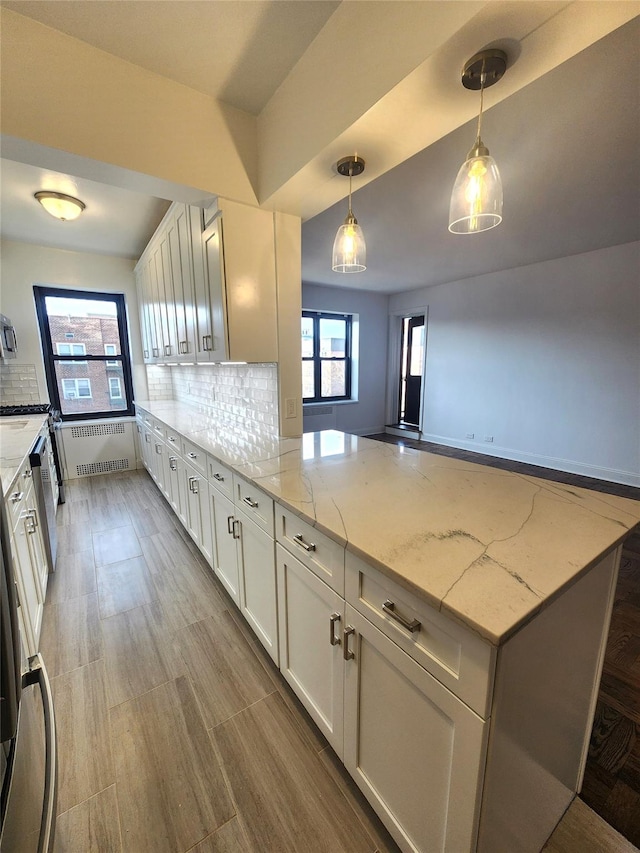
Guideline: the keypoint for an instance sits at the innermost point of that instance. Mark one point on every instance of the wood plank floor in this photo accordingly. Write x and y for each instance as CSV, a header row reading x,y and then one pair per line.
x,y
176,731
612,776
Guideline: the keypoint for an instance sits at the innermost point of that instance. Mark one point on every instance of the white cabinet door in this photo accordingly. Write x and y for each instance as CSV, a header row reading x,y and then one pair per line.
x,y
31,599
160,464
182,274
148,452
225,557
173,479
310,618
198,517
214,341
415,750
258,597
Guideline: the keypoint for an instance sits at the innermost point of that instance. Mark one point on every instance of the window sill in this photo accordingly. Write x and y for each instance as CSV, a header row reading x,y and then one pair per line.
x,y
330,403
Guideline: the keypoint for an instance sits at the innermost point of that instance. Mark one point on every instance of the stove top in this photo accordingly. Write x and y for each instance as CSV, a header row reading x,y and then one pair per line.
x,y
28,409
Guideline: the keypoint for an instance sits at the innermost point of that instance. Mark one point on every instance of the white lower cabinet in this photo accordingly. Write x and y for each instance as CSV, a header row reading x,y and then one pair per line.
x,y
311,618
198,517
257,573
415,750
225,558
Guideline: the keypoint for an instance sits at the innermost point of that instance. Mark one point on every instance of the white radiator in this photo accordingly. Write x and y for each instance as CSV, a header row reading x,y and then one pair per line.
x,y
96,447
318,417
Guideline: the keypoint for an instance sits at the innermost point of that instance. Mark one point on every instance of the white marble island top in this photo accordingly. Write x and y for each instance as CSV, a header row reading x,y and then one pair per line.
x,y
489,547
17,437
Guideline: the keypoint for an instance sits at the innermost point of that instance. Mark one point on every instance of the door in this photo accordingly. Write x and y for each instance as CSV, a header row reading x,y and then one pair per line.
x,y
416,751
258,600
310,618
411,370
224,553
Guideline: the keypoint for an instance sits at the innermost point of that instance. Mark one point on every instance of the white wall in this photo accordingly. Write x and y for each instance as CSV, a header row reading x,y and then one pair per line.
x,y
545,358
368,414
24,265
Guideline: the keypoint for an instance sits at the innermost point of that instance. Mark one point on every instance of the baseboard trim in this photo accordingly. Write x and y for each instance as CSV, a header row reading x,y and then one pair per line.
x,y
627,478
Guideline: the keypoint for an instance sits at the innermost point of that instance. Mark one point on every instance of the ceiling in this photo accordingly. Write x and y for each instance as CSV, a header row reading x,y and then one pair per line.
x,y
566,144
236,51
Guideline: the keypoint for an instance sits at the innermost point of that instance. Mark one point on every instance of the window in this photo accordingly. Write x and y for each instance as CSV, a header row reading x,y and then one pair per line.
x,y
115,391
111,349
326,356
91,325
71,349
73,388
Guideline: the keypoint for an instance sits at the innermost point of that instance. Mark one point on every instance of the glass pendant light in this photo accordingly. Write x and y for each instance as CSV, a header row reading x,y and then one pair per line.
x,y
349,249
476,200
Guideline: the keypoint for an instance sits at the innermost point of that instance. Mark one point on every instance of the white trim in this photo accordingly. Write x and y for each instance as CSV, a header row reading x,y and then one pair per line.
x,y
628,478
393,360
117,396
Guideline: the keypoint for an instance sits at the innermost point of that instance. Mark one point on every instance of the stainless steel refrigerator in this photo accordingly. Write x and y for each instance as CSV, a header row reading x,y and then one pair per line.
x,y
28,762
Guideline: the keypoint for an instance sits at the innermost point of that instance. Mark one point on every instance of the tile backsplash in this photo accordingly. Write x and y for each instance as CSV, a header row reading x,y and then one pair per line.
x,y
240,395
18,384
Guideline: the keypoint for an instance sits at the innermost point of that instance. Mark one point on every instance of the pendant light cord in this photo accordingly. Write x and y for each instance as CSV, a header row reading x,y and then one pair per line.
x,y
483,77
350,175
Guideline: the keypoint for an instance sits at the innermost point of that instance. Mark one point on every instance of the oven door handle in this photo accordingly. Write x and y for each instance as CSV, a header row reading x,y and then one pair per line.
x,y
37,674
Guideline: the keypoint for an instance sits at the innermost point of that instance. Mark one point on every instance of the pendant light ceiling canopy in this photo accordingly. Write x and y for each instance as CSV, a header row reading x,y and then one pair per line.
x,y
476,200
349,249
64,207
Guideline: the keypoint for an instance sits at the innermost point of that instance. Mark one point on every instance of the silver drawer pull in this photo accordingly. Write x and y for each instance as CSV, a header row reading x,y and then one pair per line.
x,y
171,439
146,353
167,349
299,540
28,473
16,497
411,625
156,352
250,502
230,520
158,448
219,478
147,438
333,639
173,463
192,455
236,530
347,654
34,516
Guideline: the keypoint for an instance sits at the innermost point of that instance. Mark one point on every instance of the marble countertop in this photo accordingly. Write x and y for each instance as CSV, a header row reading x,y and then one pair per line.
x,y
17,436
489,547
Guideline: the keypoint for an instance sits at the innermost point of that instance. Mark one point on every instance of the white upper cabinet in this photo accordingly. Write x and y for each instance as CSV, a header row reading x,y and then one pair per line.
x,y
209,294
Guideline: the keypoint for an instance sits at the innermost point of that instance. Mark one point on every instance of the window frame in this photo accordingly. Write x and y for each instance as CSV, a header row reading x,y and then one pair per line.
x,y
50,357
78,395
117,396
113,362
318,359
71,344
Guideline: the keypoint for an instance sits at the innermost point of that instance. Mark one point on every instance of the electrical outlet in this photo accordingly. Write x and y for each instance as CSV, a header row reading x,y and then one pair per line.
x,y
290,407
489,438
471,435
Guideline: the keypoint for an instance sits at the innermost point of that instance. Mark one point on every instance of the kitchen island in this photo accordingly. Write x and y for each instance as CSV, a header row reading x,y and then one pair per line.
x,y
509,579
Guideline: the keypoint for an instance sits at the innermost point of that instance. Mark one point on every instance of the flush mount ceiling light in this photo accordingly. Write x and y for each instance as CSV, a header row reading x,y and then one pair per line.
x,y
62,206
476,200
349,249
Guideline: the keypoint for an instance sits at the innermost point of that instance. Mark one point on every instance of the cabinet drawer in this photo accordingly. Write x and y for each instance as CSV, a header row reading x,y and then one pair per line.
x,y
254,503
458,658
322,555
173,439
159,430
146,417
220,477
19,495
195,456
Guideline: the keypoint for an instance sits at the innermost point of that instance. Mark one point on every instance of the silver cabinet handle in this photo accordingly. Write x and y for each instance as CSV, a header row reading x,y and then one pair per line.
x,y
206,347
192,455
173,463
147,438
183,347
219,478
236,530
193,485
250,502
299,540
28,473
230,521
333,639
16,497
158,448
145,353
167,349
156,352
410,624
347,654
34,516
172,439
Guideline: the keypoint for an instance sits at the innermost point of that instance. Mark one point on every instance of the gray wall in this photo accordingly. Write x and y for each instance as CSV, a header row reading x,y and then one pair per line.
x,y
545,358
368,414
